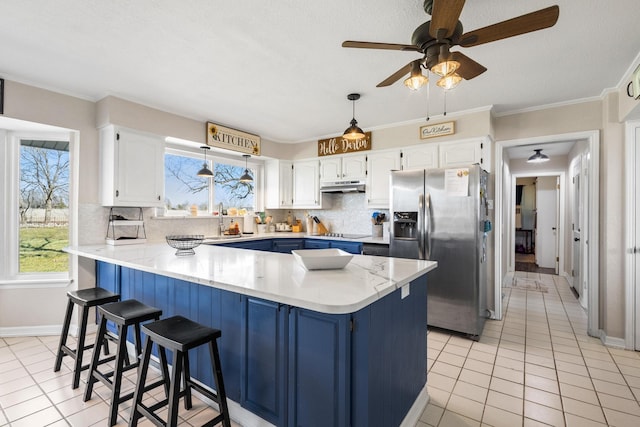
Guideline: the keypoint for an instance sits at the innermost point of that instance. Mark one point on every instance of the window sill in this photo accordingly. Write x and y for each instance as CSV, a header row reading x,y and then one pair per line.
x,y
35,283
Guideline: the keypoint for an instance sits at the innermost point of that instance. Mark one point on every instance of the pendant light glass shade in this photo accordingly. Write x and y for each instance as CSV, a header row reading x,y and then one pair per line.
x,y
205,172
538,157
246,177
353,132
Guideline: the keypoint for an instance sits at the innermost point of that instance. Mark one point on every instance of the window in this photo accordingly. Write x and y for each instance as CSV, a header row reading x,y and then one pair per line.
x,y
184,189
37,190
43,206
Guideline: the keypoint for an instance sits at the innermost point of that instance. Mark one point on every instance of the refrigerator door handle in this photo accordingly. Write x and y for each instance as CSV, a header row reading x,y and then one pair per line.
x,y
427,226
421,230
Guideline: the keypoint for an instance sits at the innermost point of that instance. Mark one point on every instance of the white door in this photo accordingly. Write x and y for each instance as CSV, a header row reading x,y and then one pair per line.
x,y
636,238
546,218
576,247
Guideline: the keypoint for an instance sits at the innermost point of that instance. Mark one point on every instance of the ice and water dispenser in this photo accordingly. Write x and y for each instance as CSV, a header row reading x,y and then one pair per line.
x,y
405,225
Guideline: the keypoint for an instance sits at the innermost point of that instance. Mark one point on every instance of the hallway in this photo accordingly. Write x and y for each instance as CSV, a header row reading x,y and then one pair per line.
x,y
527,263
535,367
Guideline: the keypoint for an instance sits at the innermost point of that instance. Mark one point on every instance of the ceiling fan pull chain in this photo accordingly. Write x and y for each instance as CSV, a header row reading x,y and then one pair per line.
x,y
445,103
428,96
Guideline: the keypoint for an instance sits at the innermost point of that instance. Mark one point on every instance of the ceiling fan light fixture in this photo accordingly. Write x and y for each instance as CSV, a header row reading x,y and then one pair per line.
x,y
246,177
205,172
416,80
444,68
538,157
450,81
353,132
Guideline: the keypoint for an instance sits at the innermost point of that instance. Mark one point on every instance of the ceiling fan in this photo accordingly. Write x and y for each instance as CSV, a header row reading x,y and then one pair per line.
x,y
436,37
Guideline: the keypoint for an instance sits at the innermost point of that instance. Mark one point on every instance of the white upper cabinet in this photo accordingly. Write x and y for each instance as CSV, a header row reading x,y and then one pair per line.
x,y
278,184
379,167
460,154
423,156
306,184
348,167
131,168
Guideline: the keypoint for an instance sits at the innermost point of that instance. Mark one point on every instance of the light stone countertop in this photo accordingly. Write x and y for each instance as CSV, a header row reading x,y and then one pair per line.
x,y
272,276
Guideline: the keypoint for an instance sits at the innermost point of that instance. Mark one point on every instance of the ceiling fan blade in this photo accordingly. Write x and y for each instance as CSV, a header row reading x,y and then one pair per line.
x,y
543,18
444,16
396,76
468,67
373,45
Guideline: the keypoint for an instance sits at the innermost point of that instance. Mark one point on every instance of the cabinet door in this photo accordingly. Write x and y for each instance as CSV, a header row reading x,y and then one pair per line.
x,y
263,349
319,369
461,154
287,245
354,166
379,167
316,244
133,169
306,184
330,169
424,156
351,247
285,186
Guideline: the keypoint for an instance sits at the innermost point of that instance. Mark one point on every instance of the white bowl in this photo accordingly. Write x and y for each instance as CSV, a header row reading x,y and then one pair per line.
x,y
322,259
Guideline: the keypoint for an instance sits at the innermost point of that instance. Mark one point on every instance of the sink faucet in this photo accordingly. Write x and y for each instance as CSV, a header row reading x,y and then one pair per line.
x,y
220,220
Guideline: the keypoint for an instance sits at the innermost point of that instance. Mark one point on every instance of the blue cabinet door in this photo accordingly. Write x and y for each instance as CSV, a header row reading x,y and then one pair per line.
x,y
316,244
319,365
351,247
287,245
258,245
263,350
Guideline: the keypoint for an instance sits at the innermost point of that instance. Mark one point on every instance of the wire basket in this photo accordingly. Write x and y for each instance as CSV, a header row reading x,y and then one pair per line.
x,y
185,243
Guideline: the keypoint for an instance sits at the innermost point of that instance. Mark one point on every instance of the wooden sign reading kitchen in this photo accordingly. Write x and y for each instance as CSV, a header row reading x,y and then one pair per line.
x,y
231,139
339,145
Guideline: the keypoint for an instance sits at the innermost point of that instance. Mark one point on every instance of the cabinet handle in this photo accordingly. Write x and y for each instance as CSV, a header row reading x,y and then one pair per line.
x,y
117,193
158,197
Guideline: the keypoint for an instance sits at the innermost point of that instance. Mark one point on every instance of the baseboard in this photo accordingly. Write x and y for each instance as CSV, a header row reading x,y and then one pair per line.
x,y
31,331
612,341
416,410
42,330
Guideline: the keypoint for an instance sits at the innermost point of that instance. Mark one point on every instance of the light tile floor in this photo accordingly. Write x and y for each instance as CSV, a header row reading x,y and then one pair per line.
x,y
535,367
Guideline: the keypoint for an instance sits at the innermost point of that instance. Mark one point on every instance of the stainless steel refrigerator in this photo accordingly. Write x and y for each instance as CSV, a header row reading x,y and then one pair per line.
x,y
442,215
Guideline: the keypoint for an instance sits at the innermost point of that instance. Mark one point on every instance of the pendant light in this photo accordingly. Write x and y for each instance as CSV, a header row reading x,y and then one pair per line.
x,y
538,157
246,177
353,132
205,172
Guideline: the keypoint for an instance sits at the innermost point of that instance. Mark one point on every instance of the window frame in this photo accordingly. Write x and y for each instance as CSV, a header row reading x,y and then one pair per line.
x,y
10,276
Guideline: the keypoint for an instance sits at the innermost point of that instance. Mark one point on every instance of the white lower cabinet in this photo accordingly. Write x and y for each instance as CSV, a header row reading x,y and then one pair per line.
x,y
379,167
131,168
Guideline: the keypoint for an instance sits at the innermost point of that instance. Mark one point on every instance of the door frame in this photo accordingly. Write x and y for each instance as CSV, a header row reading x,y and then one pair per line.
x,y
632,298
593,140
560,211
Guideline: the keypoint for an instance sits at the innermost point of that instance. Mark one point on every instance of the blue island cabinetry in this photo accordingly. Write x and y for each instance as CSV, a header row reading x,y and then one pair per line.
x,y
288,245
297,367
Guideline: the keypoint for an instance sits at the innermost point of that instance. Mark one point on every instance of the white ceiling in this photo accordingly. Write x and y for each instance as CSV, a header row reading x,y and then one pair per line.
x,y
276,68
551,149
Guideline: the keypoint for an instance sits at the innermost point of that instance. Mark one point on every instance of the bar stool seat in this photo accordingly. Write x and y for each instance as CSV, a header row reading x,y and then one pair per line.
x,y
179,335
84,299
124,314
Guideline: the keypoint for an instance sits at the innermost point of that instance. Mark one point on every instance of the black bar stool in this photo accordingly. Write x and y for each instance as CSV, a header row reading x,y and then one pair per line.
x,y
179,335
84,299
123,314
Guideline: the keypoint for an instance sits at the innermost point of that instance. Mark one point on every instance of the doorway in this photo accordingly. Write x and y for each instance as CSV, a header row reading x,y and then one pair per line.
x,y
589,142
537,224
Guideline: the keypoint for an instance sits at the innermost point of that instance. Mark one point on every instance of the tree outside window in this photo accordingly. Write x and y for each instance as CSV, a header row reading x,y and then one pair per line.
x,y
183,188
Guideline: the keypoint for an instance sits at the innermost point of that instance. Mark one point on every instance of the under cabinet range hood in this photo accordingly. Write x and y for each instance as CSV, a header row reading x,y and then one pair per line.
x,y
348,186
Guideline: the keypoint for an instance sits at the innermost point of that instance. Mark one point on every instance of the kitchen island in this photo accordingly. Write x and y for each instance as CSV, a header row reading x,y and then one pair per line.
x,y
330,347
